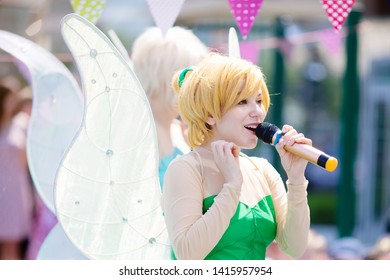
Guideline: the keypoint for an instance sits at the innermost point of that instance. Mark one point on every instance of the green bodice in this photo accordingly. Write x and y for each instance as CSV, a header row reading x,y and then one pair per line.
x,y
249,233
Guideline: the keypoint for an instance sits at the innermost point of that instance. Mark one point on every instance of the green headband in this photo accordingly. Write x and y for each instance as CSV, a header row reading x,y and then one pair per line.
x,y
184,73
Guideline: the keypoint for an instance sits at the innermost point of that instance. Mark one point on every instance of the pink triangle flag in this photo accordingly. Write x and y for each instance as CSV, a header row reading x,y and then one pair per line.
x,y
244,13
165,12
337,11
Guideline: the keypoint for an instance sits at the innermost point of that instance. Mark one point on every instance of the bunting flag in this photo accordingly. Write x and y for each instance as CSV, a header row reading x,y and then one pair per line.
x,y
244,13
164,13
337,11
89,9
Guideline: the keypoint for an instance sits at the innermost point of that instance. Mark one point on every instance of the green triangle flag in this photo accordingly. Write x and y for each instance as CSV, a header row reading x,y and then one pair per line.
x,y
89,9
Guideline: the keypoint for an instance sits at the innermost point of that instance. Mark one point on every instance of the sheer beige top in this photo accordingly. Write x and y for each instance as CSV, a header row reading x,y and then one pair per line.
x,y
194,176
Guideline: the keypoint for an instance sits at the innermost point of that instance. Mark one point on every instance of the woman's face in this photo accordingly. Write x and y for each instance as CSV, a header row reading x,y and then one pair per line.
x,y
239,123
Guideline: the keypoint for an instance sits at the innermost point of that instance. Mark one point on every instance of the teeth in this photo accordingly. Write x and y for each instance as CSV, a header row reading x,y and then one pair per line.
x,y
251,127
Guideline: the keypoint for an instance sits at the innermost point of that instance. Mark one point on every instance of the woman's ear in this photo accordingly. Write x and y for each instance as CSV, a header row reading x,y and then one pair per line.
x,y
210,121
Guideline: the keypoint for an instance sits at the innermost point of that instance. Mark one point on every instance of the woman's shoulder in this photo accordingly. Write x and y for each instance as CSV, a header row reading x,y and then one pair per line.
x,y
185,166
189,159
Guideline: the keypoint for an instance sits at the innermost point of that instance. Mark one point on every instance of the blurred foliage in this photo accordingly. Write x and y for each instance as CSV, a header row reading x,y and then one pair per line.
x,y
322,207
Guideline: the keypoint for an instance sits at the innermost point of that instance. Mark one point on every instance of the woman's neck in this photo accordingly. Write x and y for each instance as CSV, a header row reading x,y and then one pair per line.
x,y
205,149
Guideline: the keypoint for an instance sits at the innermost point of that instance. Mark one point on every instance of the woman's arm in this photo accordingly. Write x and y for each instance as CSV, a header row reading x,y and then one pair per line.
x,y
192,233
292,213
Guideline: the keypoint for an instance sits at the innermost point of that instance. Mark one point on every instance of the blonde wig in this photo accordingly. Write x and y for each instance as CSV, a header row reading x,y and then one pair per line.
x,y
213,87
156,58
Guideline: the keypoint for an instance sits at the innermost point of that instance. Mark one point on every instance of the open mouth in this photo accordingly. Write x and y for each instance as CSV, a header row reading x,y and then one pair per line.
x,y
250,127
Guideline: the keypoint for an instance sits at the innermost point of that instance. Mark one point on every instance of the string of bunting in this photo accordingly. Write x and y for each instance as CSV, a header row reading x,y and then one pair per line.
x,y
244,12
250,50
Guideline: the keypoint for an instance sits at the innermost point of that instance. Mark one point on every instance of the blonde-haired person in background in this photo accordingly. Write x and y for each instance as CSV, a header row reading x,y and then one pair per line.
x,y
155,59
219,203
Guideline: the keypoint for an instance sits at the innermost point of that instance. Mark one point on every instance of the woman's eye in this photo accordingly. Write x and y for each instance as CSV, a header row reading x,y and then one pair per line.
x,y
260,101
242,102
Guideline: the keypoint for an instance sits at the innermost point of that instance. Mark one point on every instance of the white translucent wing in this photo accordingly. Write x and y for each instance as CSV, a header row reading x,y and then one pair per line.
x,y
107,193
234,45
56,114
57,246
119,45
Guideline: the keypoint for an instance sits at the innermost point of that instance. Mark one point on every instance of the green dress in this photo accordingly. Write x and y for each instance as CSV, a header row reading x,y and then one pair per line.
x,y
249,233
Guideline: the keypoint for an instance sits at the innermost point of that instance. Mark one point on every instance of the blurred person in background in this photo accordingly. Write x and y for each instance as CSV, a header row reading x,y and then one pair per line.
x,y
317,249
16,191
347,248
381,249
155,59
43,219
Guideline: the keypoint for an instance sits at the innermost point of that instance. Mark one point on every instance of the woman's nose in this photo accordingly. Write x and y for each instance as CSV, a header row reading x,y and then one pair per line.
x,y
256,111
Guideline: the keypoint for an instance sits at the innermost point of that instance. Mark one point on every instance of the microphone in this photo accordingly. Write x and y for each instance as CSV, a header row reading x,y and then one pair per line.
x,y
270,134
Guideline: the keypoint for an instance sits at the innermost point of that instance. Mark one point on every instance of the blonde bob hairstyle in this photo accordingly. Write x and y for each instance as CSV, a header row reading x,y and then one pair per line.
x,y
213,87
157,57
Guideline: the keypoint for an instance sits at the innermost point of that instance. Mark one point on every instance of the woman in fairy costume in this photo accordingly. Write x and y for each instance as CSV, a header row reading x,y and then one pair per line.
x,y
219,203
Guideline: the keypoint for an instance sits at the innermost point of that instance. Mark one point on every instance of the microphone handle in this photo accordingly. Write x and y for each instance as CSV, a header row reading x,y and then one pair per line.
x,y
309,153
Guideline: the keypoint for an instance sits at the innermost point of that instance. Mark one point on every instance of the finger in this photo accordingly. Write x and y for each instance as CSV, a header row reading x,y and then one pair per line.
x,y
295,139
219,149
236,151
286,128
288,132
280,145
215,148
231,149
304,140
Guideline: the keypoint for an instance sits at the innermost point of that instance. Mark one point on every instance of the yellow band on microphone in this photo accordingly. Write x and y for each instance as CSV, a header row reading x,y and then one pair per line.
x,y
327,162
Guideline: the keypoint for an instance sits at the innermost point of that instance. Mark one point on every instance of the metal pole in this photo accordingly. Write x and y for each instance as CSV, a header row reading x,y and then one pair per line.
x,y
277,88
346,204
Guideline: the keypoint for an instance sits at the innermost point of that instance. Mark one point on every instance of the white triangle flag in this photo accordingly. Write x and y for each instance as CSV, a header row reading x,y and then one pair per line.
x,y
165,12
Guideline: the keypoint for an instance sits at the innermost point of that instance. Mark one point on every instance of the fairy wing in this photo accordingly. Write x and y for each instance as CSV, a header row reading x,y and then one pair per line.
x,y
107,193
56,114
119,45
57,246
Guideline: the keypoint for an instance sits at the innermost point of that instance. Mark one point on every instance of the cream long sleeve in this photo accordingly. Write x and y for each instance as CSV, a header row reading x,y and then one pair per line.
x,y
194,234
291,209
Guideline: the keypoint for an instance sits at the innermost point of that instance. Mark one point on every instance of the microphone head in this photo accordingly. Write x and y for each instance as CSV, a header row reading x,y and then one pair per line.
x,y
266,131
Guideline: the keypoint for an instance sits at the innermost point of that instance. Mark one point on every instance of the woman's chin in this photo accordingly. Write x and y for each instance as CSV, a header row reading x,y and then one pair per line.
x,y
249,146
